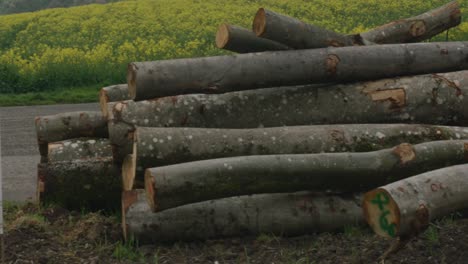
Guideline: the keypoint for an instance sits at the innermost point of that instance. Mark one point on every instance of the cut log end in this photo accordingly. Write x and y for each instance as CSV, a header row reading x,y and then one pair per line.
x,y
128,198
128,172
259,23
381,213
222,36
150,190
131,80
40,181
103,100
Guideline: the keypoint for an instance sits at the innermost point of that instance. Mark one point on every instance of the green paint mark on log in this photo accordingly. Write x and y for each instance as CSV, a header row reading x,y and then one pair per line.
x,y
382,200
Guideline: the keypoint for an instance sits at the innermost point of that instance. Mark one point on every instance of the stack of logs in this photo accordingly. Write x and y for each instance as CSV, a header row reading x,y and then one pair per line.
x,y
282,139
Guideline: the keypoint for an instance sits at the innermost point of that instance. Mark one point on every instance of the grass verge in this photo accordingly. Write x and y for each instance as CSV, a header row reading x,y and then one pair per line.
x,y
72,95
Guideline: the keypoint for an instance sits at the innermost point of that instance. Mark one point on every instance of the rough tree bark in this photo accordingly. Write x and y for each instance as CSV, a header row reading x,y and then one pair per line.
x,y
155,147
223,74
242,40
76,184
405,208
185,183
417,28
67,126
279,214
430,99
121,136
79,148
299,35
112,93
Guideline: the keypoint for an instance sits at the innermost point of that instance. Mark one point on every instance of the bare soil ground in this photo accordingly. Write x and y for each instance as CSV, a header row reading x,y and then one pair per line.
x,y
55,235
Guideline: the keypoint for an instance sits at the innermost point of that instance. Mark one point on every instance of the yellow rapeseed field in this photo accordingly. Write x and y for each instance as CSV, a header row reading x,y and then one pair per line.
x,y
93,44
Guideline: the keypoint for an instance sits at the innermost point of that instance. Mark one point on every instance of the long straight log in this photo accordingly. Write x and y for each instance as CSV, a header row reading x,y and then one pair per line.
x,y
430,99
405,208
93,184
80,148
279,214
154,147
223,74
242,40
112,93
418,28
175,185
67,126
299,35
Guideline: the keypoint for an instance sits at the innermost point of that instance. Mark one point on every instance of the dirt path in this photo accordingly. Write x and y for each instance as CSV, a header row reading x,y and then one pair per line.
x,y
19,153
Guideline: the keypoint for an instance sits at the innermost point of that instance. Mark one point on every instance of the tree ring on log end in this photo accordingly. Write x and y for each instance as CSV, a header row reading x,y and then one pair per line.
x,y
381,213
259,23
222,36
131,80
128,172
103,100
128,198
150,190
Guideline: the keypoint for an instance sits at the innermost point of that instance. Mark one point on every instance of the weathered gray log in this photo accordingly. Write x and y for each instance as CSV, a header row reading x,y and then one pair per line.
x,y
112,93
67,126
417,28
121,136
185,183
405,208
93,184
299,35
430,99
279,214
223,74
79,148
154,147
242,40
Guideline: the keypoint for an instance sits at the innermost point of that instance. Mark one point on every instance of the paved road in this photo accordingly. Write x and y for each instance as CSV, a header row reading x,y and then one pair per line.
x,y
19,152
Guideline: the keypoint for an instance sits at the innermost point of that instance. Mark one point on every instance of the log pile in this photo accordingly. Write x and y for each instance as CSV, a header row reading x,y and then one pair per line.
x,y
284,138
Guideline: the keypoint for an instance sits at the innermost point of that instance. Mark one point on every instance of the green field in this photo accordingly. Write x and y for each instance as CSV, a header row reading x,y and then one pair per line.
x,y
52,51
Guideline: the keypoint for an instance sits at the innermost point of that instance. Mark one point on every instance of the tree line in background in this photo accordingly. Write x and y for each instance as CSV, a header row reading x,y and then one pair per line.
x,y
20,6
92,44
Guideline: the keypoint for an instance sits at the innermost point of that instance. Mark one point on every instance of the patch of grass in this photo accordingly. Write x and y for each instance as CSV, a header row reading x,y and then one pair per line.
x,y
63,96
36,221
128,250
432,235
353,231
267,238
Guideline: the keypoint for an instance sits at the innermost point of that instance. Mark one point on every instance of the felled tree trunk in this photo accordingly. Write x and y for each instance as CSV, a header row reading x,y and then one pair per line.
x,y
121,136
405,208
428,99
223,74
175,185
241,40
80,184
80,148
279,214
67,126
299,35
112,93
154,147
417,28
